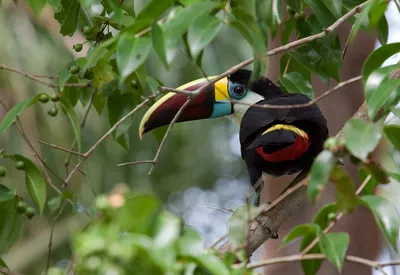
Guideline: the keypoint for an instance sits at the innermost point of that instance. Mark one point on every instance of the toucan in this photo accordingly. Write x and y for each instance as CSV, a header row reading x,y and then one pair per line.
x,y
273,141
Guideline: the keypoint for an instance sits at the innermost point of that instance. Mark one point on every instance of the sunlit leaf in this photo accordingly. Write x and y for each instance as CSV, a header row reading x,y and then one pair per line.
x,y
322,218
386,217
131,53
190,243
301,231
361,137
361,19
167,230
377,57
334,247
322,12
212,264
37,6
153,11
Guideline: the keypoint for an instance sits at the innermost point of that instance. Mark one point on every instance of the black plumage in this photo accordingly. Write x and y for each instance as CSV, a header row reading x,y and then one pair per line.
x,y
257,120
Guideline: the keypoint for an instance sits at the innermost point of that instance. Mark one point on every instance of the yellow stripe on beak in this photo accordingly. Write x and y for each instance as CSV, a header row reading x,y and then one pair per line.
x,y
286,127
221,89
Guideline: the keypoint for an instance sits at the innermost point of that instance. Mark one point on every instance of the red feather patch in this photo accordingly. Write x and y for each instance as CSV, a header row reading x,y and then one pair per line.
x,y
298,148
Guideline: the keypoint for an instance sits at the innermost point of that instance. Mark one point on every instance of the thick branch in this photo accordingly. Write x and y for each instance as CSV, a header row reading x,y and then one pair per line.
x,y
277,213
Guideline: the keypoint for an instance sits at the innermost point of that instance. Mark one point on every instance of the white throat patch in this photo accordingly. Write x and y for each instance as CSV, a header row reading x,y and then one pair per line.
x,y
240,109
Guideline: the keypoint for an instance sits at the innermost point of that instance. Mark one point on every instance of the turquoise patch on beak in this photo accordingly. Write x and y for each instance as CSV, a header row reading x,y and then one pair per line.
x,y
222,108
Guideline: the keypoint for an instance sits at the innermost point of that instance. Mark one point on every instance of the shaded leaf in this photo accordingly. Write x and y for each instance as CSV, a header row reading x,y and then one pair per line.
x,y
76,126
301,230
386,217
212,264
153,11
295,82
34,181
345,193
167,230
68,17
322,12
202,32
320,172
15,111
382,30
361,137
361,19
10,220
322,217
334,247
392,132
158,41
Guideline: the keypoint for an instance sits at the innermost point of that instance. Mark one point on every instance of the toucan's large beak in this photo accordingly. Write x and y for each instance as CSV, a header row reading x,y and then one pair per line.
x,y
210,103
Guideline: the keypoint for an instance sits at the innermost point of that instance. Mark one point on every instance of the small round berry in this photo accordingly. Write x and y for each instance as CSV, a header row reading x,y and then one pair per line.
x,y
78,47
20,165
89,74
54,97
21,207
30,212
3,172
74,69
331,216
87,30
44,98
52,112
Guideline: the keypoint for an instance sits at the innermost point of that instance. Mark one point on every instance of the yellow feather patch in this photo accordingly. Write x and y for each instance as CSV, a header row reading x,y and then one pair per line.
x,y
286,127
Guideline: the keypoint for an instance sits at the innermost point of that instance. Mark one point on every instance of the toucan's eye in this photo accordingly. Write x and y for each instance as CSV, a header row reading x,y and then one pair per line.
x,y
238,92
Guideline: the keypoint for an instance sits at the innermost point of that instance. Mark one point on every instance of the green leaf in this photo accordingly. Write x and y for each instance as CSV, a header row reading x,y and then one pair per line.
x,y
382,30
320,172
68,17
70,111
167,230
310,267
202,32
361,137
334,247
2,263
142,211
270,14
131,53
177,25
237,226
190,243
34,181
15,111
301,230
361,19
294,4
295,82
158,41
153,11
369,188
377,57
95,54
379,88
103,73
212,264
393,134
334,6
54,204
386,217
322,12
345,193
10,220
37,6
322,217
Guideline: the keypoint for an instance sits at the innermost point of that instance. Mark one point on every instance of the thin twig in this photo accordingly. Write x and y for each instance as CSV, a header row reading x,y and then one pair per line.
x,y
50,85
51,236
135,163
214,244
337,218
61,148
298,257
176,117
83,122
107,134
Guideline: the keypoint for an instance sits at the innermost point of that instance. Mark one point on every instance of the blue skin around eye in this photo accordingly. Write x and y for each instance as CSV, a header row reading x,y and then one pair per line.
x,y
231,88
223,107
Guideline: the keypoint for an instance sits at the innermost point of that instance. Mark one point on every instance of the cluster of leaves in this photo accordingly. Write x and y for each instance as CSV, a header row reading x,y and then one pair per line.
x,y
134,233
